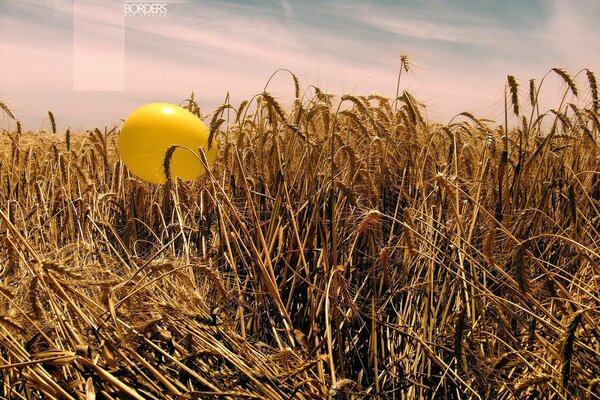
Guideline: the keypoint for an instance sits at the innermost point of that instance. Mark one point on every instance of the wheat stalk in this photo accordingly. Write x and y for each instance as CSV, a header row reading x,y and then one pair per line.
x,y
240,110
5,108
68,138
52,122
514,93
567,349
568,80
594,89
532,93
167,162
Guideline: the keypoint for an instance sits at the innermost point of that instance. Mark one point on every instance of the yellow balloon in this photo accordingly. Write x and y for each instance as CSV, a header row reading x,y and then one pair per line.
x,y
150,130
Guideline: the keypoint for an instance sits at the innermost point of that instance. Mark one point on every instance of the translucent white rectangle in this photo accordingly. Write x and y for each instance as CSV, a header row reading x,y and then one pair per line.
x,y
63,7
98,45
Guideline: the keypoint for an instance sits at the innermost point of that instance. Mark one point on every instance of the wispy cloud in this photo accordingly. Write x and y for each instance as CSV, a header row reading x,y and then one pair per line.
x,y
408,24
237,53
287,8
573,31
462,53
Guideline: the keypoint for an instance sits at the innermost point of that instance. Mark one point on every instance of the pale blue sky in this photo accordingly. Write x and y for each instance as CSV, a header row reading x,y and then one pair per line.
x,y
92,65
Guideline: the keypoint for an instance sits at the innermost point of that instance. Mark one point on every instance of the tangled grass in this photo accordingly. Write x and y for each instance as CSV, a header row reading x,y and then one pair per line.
x,y
341,248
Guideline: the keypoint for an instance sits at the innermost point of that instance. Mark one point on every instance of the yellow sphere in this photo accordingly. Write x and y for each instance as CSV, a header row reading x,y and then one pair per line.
x,y
150,130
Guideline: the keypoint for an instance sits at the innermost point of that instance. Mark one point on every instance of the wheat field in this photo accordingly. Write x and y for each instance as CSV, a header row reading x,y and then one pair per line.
x,y
341,247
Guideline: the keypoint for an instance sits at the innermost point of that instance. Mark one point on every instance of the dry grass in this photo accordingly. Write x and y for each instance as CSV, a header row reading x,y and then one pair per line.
x,y
332,252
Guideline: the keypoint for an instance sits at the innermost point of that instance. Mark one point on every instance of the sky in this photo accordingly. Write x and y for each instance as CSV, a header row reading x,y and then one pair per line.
x,y
93,62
